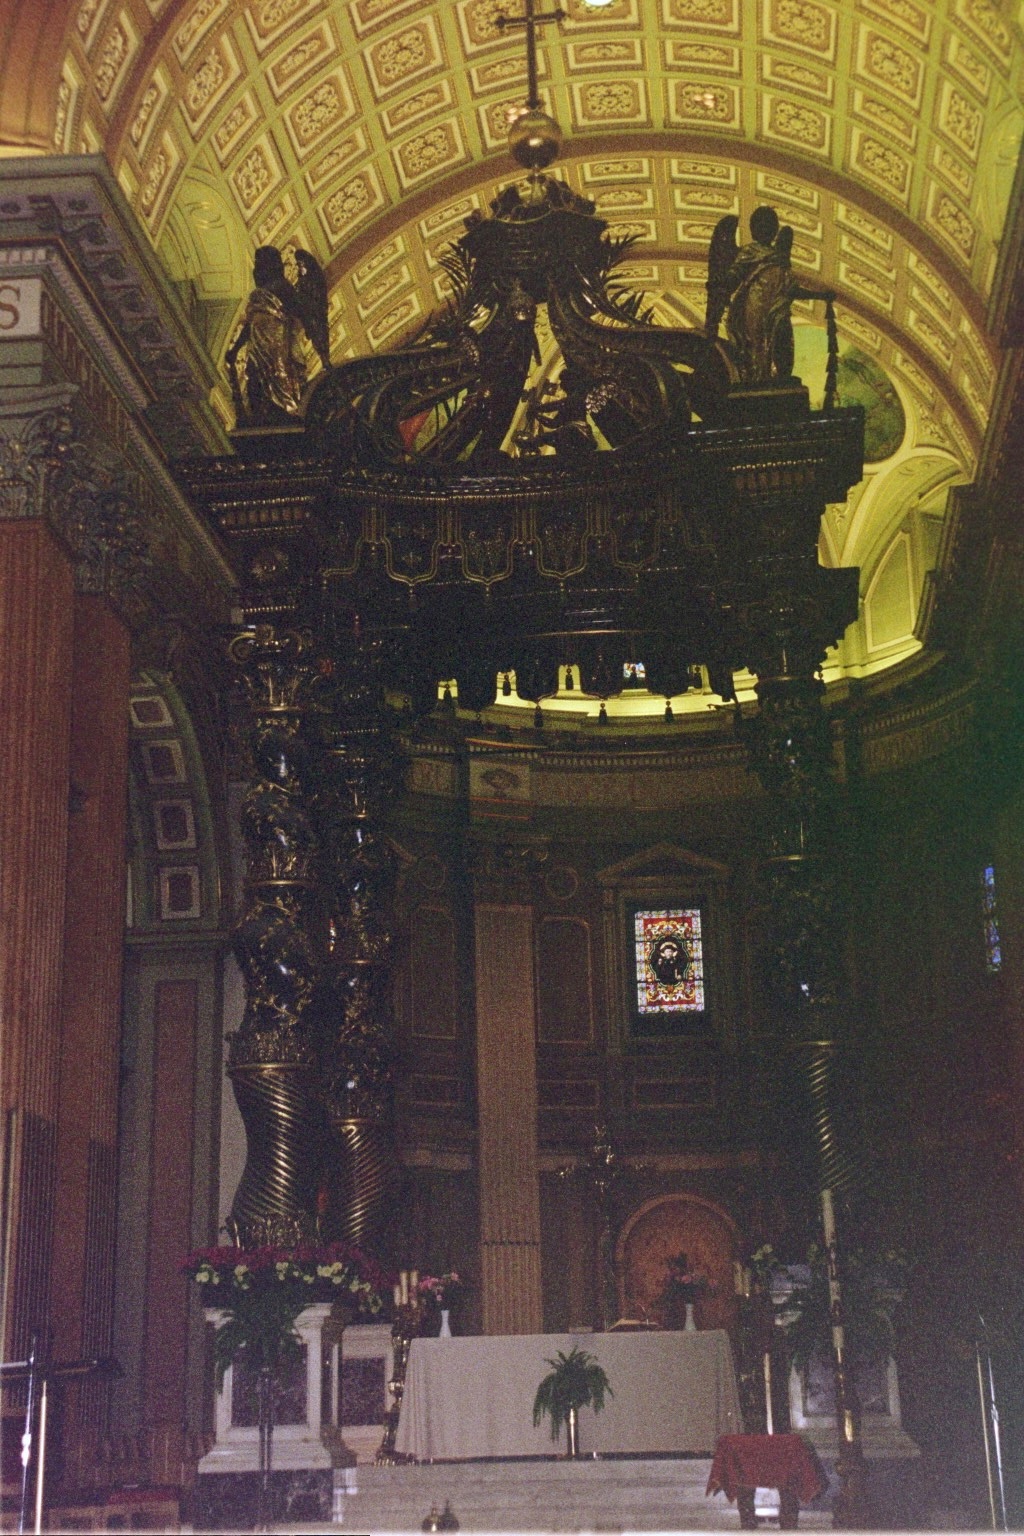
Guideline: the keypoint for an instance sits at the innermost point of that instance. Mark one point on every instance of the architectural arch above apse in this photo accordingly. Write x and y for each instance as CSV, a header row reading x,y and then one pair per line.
x,y
661,1230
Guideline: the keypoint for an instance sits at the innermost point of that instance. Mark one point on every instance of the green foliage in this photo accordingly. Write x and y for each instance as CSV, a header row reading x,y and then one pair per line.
x,y
260,1292
574,1381
258,1326
872,1293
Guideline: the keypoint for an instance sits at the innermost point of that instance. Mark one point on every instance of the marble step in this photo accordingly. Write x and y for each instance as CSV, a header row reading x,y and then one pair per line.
x,y
590,1495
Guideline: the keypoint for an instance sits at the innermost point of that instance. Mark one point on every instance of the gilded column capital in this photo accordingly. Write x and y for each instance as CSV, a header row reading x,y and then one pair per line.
x,y
50,470
35,436
508,866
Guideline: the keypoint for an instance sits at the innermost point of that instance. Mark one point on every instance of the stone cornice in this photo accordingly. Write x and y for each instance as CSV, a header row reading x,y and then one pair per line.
x,y
927,717
917,729
49,262
73,205
607,757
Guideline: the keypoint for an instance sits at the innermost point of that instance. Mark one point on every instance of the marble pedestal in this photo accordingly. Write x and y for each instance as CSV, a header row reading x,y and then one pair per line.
x,y
310,1413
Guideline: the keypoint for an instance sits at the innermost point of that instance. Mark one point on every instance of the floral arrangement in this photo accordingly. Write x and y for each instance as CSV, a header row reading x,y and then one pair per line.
x,y
764,1265
441,1289
873,1286
326,1269
262,1291
684,1283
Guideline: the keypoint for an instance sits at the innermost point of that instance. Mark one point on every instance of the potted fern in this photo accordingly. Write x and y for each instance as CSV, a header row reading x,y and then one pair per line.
x,y
575,1381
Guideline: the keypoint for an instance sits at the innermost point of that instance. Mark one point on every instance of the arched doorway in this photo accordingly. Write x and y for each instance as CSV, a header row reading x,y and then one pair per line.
x,y
657,1232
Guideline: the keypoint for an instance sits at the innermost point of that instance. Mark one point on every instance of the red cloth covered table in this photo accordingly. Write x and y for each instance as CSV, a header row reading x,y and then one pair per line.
x,y
786,1462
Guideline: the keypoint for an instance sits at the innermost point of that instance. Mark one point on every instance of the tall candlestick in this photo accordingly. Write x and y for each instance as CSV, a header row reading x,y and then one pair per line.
x,y
828,1222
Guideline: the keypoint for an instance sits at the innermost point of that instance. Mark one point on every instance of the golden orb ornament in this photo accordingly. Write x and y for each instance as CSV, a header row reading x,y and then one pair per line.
x,y
534,139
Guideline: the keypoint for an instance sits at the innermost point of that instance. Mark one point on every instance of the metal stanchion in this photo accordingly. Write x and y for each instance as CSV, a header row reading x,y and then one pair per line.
x,y
31,1369
37,1374
990,1429
41,1454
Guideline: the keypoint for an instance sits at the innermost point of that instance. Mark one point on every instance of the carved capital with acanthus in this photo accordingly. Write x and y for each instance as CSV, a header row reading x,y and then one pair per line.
x,y
49,471
36,438
507,867
277,668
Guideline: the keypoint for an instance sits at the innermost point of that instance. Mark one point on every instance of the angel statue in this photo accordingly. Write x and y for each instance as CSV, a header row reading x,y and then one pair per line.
x,y
268,387
754,287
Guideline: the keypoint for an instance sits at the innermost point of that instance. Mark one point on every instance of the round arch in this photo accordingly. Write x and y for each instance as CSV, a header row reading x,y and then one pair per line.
x,y
660,1230
31,51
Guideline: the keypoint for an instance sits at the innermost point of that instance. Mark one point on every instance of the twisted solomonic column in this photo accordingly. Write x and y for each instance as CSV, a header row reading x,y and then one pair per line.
x,y
272,1057
792,755
357,771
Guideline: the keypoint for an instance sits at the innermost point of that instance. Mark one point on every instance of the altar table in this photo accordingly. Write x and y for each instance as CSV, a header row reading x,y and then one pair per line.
x,y
469,1398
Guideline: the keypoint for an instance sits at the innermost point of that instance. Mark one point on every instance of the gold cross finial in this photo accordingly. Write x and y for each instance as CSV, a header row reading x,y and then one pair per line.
x,y
530,20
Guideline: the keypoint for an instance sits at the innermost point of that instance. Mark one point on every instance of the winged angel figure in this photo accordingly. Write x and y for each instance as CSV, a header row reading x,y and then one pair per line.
x,y
268,385
754,287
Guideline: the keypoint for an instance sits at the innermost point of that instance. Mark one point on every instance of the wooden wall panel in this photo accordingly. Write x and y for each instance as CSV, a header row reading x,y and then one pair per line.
x,y
432,974
28,1273
36,623
566,1014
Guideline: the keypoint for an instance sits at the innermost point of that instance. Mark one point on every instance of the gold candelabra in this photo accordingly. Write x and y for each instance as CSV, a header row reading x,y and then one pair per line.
x,y
407,1324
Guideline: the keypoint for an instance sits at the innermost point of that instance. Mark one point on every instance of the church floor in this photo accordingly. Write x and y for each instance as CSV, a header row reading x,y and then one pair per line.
x,y
607,1495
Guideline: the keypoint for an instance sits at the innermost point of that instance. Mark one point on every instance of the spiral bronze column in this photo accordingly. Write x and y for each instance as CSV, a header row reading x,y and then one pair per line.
x,y
272,1056
788,623
358,768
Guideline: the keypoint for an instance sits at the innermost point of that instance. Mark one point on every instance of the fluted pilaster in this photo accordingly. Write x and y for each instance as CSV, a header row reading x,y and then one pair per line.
x,y
507,1107
36,633
84,1207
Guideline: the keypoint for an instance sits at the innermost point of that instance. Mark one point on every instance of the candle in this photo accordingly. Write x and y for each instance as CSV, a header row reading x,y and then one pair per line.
x,y
398,1295
768,1393
828,1221
413,1282
404,1278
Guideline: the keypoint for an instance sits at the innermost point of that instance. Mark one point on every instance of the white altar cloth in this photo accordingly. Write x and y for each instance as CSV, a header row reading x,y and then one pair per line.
x,y
466,1398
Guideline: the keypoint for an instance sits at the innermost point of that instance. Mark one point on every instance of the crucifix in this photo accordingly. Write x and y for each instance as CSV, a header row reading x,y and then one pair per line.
x,y
530,21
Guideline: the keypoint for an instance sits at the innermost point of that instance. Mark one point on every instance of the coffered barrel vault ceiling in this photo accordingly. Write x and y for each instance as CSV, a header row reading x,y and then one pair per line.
x,y
886,132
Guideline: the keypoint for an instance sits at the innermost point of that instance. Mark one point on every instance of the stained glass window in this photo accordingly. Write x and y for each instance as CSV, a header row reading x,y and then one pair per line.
x,y
990,919
669,956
